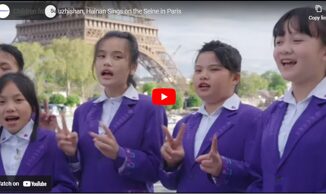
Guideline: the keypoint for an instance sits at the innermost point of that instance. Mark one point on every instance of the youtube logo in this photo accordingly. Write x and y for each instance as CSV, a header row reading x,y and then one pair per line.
x,y
163,96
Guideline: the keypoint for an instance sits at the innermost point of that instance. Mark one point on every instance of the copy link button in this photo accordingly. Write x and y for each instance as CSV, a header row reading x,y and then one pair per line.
x,y
163,96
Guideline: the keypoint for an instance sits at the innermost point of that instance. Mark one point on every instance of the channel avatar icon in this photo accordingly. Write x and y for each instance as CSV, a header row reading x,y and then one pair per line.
x,y
4,11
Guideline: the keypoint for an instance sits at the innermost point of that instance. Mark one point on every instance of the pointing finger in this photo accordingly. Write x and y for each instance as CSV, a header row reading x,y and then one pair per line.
x,y
180,134
214,144
64,123
46,106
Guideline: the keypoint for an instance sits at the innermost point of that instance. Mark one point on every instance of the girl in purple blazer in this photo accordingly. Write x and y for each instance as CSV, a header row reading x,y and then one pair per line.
x,y
290,150
193,152
116,138
27,150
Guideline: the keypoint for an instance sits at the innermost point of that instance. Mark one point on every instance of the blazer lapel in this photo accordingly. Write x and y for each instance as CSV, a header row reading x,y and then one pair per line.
x,y
222,124
314,112
270,135
94,116
93,119
189,136
34,152
125,111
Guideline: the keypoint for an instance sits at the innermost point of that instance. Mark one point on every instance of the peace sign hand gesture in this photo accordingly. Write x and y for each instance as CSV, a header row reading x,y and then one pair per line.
x,y
67,141
172,150
106,143
211,162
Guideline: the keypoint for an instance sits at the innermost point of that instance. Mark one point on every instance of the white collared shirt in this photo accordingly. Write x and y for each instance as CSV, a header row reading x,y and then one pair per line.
x,y
112,104
13,147
294,111
207,120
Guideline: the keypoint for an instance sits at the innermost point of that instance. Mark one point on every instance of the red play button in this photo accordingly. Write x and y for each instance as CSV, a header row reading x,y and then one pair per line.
x,y
163,96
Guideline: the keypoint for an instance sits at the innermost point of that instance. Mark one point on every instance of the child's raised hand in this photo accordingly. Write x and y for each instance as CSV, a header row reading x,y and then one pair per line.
x,y
211,162
172,150
67,141
106,143
47,120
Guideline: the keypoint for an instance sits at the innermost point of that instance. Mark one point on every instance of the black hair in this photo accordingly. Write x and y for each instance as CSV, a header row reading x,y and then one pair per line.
x,y
298,19
15,52
133,49
229,56
26,87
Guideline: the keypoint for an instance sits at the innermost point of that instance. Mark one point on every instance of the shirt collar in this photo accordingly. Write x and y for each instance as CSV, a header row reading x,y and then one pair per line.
x,y
130,93
232,103
319,92
24,133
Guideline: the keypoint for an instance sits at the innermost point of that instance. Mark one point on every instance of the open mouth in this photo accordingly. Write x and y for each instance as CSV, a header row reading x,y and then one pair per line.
x,y
288,62
203,86
11,118
106,73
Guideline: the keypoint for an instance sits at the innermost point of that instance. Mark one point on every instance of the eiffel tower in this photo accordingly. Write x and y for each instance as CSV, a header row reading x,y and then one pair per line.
x,y
91,26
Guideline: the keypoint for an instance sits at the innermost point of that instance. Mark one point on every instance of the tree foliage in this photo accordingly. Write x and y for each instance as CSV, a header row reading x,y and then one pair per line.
x,y
148,87
57,99
63,65
193,100
250,84
179,101
275,82
72,100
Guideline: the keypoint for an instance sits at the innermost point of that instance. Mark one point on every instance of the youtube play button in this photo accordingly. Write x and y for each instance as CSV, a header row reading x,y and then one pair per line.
x,y
163,96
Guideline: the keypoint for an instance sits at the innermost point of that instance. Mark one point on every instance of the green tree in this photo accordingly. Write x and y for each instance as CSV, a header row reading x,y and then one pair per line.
x,y
275,82
42,97
250,84
179,101
148,87
61,65
70,64
32,53
193,100
72,100
57,99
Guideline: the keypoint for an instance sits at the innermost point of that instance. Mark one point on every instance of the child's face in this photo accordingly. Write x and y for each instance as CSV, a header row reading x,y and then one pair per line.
x,y
8,63
299,57
212,81
15,111
112,62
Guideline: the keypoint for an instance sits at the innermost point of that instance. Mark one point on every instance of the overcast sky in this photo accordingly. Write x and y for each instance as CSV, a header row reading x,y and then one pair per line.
x,y
245,25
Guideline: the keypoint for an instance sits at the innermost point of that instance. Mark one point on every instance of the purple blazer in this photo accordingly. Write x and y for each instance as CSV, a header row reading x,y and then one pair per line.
x,y
302,166
137,129
236,131
43,158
